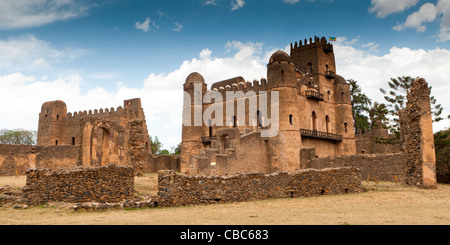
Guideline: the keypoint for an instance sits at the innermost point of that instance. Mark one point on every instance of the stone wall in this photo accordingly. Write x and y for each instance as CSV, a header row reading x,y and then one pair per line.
x,y
156,163
175,189
382,167
22,157
101,184
417,131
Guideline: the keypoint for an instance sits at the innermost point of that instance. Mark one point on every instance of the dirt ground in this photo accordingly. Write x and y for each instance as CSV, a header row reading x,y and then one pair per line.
x,y
383,204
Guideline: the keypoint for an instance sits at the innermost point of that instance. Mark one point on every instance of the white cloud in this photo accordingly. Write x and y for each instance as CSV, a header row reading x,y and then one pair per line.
x,y
209,2
147,25
27,52
373,72
237,4
384,8
291,1
178,27
426,13
33,13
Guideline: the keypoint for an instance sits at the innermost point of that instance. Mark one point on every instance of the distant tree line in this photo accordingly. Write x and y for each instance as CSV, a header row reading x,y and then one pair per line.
x,y
18,137
157,147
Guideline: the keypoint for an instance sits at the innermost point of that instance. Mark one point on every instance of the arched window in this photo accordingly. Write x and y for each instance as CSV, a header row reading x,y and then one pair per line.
x,y
57,116
234,121
282,75
329,95
342,97
210,127
327,121
346,127
73,140
326,66
56,142
310,67
314,121
290,119
259,119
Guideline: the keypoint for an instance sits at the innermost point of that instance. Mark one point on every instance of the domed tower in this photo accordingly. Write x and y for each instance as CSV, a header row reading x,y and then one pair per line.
x,y
192,129
281,77
51,121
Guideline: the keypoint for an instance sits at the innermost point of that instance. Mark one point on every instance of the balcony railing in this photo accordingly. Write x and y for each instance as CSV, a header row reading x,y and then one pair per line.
x,y
330,74
207,139
320,135
314,95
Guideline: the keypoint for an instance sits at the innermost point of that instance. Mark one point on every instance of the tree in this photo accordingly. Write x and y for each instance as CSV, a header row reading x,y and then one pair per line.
x,y
155,144
18,137
360,106
378,115
442,146
397,99
176,150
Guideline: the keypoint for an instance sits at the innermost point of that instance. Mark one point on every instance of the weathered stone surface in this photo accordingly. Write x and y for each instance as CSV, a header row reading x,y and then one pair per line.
x,y
382,167
176,190
102,184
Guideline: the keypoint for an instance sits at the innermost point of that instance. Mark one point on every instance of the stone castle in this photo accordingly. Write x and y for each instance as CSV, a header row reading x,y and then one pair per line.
x,y
314,152
314,113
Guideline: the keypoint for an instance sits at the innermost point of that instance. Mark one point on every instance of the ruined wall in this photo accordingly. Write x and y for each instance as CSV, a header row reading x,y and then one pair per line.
x,y
175,190
371,142
156,163
382,167
102,184
417,132
23,157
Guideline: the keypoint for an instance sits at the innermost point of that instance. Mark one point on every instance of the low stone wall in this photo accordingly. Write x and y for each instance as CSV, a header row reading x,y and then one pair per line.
x,y
176,190
382,167
22,157
101,184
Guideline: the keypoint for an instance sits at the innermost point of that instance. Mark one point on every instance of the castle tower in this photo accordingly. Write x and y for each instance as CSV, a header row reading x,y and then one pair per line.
x,y
284,148
51,120
192,131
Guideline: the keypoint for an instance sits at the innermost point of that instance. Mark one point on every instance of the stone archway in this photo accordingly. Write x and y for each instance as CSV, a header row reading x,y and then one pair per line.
x,y
98,142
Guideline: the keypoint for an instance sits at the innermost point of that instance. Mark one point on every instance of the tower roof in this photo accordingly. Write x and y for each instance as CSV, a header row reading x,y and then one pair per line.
x,y
195,77
280,56
339,80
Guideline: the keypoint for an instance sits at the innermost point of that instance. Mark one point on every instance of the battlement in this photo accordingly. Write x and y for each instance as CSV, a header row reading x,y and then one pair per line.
x,y
256,86
313,43
102,113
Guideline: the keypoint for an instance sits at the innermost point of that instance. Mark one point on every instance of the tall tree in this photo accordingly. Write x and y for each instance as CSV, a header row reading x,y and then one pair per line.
x,y
360,106
378,115
155,144
396,98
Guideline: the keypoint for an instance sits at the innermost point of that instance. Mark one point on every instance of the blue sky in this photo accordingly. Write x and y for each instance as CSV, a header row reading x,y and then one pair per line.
x,y
95,54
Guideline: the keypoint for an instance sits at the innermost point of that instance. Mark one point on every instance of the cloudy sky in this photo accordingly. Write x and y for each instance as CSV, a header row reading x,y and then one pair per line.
x,y
95,54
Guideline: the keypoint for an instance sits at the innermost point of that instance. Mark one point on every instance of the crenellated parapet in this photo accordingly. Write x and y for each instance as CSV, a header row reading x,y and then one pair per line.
x,y
312,43
245,87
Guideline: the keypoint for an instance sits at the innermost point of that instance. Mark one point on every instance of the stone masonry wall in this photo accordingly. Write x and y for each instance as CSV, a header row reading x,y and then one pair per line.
x,y
22,157
417,132
101,184
176,190
382,167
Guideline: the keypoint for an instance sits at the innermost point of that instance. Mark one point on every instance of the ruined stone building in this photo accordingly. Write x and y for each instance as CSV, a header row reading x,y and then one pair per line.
x,y
102,134
315,116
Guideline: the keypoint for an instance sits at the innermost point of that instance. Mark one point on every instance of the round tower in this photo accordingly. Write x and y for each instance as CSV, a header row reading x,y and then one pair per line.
x,y
51,121
192,129
344,117
285,147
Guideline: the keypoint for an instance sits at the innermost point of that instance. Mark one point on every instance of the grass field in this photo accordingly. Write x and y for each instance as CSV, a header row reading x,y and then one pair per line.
x,y
382,204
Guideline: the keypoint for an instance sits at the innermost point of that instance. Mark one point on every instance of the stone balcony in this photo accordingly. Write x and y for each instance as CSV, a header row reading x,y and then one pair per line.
x,y
306,133
310,94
